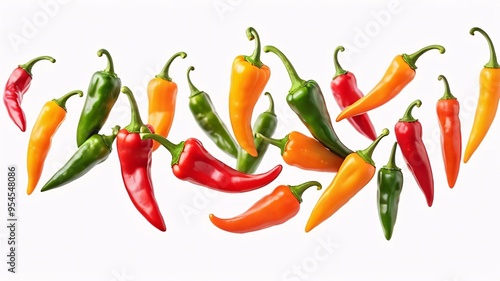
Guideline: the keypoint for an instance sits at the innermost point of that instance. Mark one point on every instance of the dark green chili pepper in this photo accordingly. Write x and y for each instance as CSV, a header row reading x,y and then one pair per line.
x,y
265,124
206,116
93,151
103,91
307,101
390,184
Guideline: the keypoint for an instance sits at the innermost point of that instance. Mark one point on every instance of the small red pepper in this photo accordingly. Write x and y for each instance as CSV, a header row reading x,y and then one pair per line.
x,y
192,162
17,85
135,161
273,209
409,137
346,92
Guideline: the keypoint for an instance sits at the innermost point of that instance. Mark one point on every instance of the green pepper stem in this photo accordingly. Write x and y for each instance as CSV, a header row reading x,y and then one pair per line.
x,y
298,190
281,143
447,93
407,117
391,164
62,100
254,58
136,122
174,149
109,139
367,153
271,103
192,88
164,72
29,65
294,77
110,69
338,69
492,63
412,59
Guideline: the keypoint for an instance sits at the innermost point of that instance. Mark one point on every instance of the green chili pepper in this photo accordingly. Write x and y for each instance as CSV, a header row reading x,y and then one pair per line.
x,y
390,184
265,124
307,101
206,116
93,151
103,91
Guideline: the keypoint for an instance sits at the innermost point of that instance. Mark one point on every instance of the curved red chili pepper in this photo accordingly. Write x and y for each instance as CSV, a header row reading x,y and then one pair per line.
x,y
273,209
346,92
15,88
192,162
409,137
134,154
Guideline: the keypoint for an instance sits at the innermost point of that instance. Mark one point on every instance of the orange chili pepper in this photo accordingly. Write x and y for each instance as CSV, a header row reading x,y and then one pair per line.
x,y
273,209
399,74
355,173
249,76
50,118
306,153
162,95
487,104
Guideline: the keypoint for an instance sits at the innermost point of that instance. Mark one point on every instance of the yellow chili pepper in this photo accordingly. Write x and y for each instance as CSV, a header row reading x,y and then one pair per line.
x,y
50,118
355,173
162,95
399,74
489,93
249,76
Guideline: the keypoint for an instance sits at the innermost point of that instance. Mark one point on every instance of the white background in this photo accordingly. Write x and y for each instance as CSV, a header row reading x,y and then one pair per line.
x,y
89,229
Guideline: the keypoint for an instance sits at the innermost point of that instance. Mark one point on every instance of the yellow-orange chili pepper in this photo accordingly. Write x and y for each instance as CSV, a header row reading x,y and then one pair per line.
x,y
50,118
305,152
489,93
249,76
355,173
399,74
162,95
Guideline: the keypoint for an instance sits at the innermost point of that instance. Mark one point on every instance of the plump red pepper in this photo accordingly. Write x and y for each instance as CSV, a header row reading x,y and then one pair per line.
x,y
346,92
409,137
134,154
17,85
192,162
273,209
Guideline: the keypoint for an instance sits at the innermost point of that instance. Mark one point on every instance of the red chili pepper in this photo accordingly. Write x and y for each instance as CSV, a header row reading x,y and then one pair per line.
x,y
192,162
409,137
135,161
273,209
346,92
17,85
448,109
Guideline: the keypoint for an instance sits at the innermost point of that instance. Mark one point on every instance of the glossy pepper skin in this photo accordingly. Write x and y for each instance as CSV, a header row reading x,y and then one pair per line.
x,y
448,110
487,104
282,204
102,94
208,119
249,76
162,96
409,137
50,118
191,162
355,173
346,92
400,73
134,155
265,124
307,101
306,153
18,84
92,152
389,187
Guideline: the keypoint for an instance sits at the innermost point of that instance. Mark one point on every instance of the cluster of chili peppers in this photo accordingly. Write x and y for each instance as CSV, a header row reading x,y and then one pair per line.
x,y
322,151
